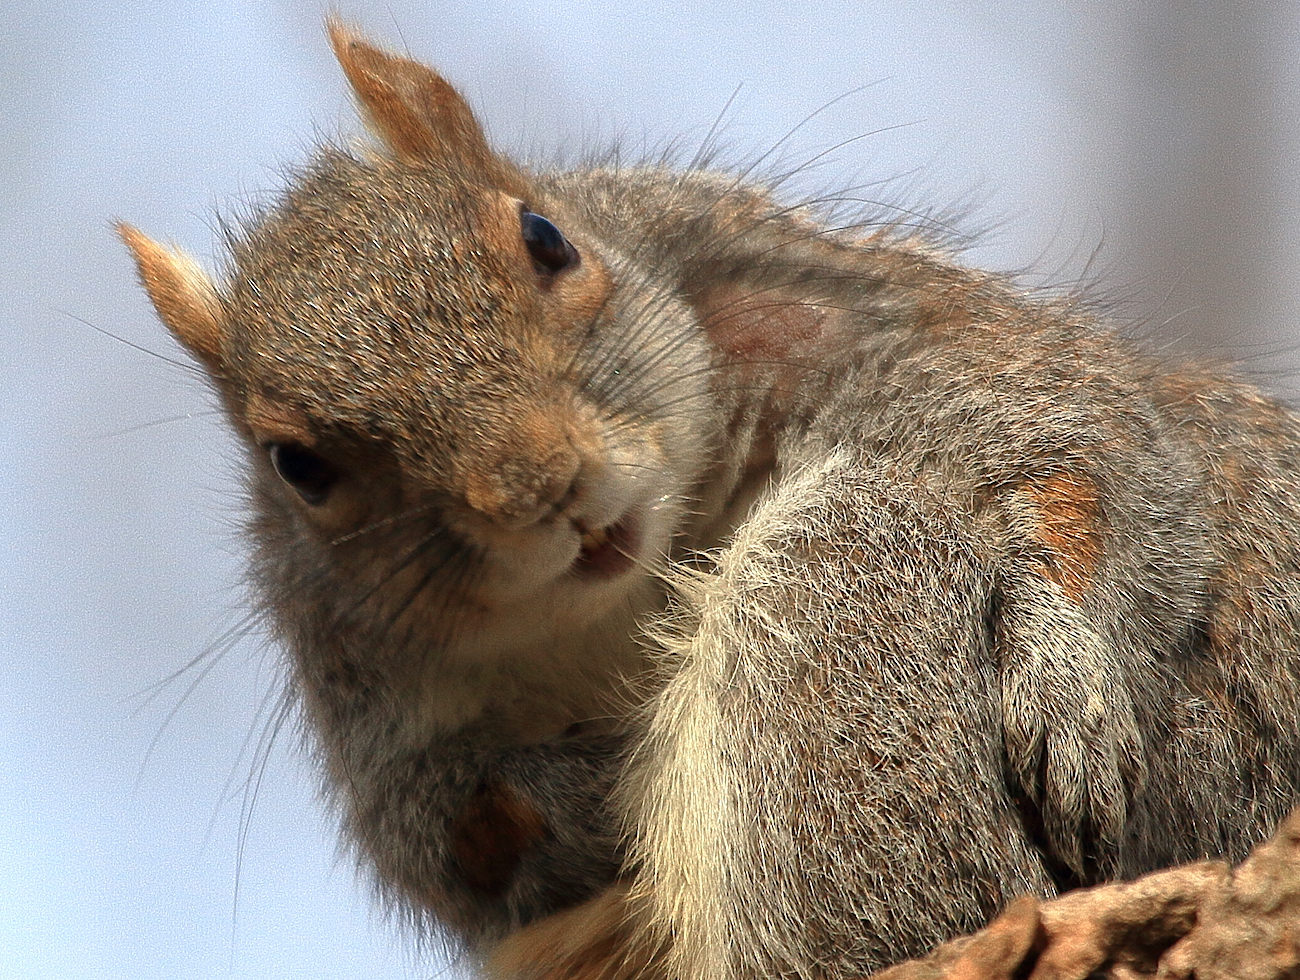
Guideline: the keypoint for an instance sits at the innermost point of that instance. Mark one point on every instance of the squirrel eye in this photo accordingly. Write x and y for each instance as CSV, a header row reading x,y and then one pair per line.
x,y
546,243
307,472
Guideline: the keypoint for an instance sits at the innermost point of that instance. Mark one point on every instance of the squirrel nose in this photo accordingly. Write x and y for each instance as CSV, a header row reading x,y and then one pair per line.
x,y
525,486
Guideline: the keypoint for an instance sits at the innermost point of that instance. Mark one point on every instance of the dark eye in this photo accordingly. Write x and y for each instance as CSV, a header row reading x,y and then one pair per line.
x,y
546,244
307,472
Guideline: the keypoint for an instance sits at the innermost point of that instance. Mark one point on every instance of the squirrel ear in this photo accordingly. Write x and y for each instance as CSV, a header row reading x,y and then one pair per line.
x,y
182,294
416,111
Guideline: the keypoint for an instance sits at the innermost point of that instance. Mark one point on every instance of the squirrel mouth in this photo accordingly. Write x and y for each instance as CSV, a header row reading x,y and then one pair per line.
x,y
608,551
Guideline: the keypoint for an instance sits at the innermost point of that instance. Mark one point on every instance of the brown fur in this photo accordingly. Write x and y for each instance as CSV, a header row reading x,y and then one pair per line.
x,y
732,596
596,941
490,836
1070,530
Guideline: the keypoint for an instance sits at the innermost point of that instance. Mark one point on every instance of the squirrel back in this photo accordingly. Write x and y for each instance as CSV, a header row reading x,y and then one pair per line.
x,y
761,597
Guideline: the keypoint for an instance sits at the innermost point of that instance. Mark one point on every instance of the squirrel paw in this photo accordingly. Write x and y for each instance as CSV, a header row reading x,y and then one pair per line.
x,y
1070,728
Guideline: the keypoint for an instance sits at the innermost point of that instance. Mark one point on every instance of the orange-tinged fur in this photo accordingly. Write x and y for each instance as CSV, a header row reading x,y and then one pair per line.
x,y
1070,530
599,940
181,293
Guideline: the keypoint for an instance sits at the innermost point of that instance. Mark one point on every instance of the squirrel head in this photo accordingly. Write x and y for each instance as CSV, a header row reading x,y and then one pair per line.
x,y
410,332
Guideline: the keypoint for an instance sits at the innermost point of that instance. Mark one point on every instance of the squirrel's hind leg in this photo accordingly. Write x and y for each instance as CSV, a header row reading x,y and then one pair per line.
x,y
822,791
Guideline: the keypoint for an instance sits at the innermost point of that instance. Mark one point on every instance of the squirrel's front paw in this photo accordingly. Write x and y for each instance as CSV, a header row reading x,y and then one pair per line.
x,y
1070,730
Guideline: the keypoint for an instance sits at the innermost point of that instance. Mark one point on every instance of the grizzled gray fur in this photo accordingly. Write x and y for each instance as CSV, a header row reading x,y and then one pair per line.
x,y
678,586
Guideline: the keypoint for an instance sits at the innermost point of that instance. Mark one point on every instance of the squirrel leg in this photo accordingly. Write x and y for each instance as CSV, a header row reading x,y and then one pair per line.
x,y
822,790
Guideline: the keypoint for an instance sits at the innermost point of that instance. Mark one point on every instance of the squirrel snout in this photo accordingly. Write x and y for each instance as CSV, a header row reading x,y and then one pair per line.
x,y
519,489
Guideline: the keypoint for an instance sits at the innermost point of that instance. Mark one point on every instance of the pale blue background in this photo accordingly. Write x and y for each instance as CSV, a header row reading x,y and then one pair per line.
x,y
1077,124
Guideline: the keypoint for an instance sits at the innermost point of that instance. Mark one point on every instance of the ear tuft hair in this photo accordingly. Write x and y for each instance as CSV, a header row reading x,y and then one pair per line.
x,y
182,294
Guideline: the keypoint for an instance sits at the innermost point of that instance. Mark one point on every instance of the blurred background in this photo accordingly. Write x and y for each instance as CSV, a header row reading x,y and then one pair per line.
x,y
148,828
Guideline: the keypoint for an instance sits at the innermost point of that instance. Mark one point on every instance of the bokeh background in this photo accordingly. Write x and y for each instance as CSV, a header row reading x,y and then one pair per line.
x,y
148,828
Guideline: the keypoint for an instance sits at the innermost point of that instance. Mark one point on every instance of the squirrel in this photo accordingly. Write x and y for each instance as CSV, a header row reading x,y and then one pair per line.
x,y
677,585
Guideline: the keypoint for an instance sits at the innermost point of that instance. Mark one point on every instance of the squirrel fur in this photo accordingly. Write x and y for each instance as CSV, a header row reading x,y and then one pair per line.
x,y
675,585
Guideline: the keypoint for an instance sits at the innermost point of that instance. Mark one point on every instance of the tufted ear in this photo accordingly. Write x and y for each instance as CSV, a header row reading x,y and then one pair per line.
x,y
182,294
417,113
